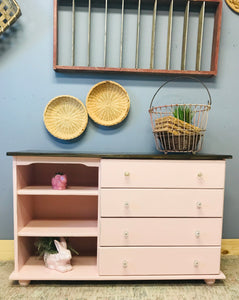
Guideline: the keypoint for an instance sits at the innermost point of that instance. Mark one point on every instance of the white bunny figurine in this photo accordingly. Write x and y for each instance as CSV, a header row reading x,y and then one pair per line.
x,y
59,261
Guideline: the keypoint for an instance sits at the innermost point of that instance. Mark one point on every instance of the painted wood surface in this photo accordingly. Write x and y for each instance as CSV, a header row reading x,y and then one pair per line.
x,y
160,232
94,158
179,188
60,228
162,174
159,260
162,202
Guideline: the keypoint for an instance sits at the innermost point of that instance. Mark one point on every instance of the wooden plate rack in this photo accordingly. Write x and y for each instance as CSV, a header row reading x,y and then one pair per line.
x,y
126,36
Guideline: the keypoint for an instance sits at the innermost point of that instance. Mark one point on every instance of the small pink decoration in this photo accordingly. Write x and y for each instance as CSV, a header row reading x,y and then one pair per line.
x,y
59,181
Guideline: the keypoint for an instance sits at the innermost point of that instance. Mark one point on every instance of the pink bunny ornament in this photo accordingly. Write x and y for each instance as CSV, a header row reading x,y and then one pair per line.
x,y
59,261
59,181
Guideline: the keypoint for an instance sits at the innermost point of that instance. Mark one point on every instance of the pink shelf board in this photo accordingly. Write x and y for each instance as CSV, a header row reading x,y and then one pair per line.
x,y
85,268
47,190
66,228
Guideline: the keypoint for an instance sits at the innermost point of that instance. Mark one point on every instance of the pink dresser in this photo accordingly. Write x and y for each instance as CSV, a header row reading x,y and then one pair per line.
x,y
130,217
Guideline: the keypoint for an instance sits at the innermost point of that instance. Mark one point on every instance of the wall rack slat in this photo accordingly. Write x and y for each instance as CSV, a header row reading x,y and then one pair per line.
x,y
100,31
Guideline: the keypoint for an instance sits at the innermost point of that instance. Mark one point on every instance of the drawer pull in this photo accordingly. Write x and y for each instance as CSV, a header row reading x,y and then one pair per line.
x,y
126,173
126,204
197,234
196,263
126,234
199,204
200,175
125,264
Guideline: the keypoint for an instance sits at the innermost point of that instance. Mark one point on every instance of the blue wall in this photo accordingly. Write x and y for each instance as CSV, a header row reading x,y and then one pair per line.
x,y
28,82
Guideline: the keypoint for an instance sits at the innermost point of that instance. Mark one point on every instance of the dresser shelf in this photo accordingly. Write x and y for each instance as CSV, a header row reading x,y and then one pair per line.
x,y
84,268
70,228
47,190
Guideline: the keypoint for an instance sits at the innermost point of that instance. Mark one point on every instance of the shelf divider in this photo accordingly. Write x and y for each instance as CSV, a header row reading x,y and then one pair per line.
x,y
185,36
47,190
137,36
89,31
73,32
170,22
200,36
121,33
105,35
153,35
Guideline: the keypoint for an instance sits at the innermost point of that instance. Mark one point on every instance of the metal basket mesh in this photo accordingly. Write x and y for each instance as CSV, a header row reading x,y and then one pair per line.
x,y
179,127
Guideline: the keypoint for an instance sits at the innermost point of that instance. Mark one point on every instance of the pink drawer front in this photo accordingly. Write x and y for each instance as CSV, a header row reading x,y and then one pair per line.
x,y
158,260
160,231
162,174
162,202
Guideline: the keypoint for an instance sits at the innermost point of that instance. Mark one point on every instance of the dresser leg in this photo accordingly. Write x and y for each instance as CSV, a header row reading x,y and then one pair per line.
x,y
210,281
24,282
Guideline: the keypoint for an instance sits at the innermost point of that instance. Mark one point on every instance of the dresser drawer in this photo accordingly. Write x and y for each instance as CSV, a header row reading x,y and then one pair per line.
x,y
158,260
161,202
162,174
160,231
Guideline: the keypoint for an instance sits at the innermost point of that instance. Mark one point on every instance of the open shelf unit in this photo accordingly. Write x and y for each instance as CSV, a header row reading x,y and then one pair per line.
x,y
40,211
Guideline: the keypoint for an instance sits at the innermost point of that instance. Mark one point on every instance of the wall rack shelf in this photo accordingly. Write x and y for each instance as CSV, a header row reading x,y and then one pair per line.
x,y
137,36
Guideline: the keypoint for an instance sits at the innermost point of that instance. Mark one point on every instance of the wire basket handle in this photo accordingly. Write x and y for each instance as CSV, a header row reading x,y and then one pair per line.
x,y
179,77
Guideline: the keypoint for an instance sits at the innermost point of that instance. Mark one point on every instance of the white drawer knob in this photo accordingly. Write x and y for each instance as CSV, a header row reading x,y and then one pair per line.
x,y
125,264
126,173
200,175
126,204
126,234
197,234
199,204
196,263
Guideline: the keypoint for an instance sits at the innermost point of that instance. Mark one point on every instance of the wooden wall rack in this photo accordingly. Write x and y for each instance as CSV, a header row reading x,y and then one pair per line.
x,y
76,52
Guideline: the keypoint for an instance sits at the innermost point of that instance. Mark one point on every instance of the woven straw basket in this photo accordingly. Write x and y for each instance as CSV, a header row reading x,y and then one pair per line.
x,y
108,103
65,117
9,13
179,127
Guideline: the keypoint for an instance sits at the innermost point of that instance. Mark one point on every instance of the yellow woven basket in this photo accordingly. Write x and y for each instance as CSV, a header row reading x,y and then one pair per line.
x,y
107,103
9,13
65,117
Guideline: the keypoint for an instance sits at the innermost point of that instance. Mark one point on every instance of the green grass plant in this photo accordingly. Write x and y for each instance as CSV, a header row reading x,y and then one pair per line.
x,y
183,113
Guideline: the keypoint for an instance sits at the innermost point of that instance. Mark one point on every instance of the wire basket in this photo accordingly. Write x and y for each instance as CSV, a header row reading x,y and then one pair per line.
x,y
9,13
179,127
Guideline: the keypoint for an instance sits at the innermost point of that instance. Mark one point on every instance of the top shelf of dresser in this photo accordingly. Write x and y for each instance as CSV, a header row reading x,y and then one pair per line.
x,y
203,156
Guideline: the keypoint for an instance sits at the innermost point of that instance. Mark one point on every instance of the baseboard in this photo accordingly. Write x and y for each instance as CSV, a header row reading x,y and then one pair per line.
x,y
229,247
6,249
